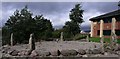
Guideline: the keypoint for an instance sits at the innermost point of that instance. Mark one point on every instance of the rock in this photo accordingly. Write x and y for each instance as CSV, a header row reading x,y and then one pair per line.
x,y
81,52
44,53
88,51
96,51
5,49
14,53
55,53
84,56
69,52
28,52
10,51
22,53
119,47
34,53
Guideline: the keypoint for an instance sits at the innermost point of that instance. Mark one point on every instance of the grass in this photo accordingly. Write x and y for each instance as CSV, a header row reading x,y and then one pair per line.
x,y
97,39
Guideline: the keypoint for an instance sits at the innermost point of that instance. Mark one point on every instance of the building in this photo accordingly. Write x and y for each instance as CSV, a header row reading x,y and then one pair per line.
x,y
105,24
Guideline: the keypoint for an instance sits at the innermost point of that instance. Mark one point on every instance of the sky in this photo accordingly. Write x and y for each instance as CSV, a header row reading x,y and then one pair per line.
x,y
58,12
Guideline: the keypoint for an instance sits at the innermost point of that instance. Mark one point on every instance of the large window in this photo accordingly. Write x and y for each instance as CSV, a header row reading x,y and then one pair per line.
x,y
107,20
117,32
107,32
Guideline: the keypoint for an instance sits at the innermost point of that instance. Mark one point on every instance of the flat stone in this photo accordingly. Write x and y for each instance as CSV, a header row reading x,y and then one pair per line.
x,y
81,52
55,53
69,52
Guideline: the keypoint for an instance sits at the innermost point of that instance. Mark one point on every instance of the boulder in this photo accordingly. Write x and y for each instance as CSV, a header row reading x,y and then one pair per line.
x,y
43,53
96,51
69,52
81,51
28,52
88,51
34,53
55,53
119,47
14,53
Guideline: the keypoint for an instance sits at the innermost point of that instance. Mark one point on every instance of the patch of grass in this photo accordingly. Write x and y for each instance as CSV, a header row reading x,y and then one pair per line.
x,y
97,39
118,41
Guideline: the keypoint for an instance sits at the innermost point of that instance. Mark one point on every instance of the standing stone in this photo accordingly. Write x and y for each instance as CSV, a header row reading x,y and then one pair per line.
x,y
31,42
102,44
61,37
11,39
113,40
87,38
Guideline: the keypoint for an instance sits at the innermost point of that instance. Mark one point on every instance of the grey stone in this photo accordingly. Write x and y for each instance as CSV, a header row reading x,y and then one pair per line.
x,y
81,51
11,39
34,53
31,42
14,53
44,53
88,51
28,52
55,53
96,51
69,52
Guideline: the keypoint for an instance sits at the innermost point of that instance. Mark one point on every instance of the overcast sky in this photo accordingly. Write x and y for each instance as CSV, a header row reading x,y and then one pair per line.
x,y
58,12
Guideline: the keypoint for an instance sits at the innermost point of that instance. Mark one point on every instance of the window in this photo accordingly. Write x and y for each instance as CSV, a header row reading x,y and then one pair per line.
x,y
107,20
117,18
117,32
98,32
107,32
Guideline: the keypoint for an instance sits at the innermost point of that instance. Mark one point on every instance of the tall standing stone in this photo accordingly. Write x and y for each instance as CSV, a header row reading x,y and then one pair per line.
x,y
102,43
113,40
87,38
11,39
61,37
31,42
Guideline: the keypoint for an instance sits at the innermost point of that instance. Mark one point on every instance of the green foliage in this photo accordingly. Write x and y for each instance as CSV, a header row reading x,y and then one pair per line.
x,y
72,27
56,33
21,24
76,14
79,36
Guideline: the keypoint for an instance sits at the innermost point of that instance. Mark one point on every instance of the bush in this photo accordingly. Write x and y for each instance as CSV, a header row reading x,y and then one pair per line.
x,y
79,36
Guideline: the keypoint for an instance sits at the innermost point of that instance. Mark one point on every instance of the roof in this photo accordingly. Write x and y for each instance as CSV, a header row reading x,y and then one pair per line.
x,y
110,14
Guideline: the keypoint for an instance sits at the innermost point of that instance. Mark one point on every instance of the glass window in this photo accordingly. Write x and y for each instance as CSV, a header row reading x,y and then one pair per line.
x,y
107,20
107,32
117,32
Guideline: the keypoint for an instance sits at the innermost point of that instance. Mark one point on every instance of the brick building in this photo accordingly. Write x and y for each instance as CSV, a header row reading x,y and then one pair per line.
x,y
105,24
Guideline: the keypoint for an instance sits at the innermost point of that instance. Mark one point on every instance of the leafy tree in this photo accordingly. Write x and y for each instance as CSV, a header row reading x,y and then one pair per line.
x,y
43,27
72,27
76,14
21,24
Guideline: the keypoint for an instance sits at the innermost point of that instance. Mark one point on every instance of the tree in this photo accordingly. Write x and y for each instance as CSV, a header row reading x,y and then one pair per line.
x,y
21,24
76,14
43,27
72,27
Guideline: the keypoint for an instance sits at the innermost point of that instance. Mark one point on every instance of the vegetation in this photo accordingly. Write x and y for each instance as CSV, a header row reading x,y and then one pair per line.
x,y
22,24
97,39
71,28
